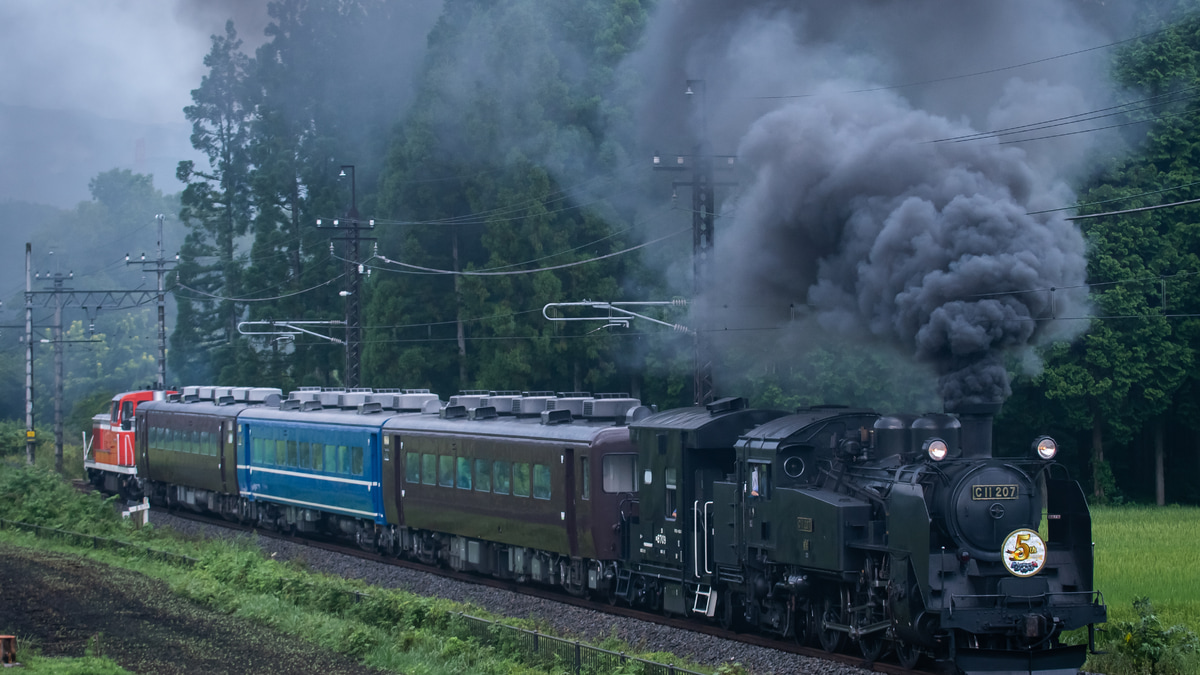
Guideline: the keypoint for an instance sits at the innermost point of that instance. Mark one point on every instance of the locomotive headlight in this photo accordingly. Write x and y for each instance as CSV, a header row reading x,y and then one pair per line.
x,y
937,449
1045,447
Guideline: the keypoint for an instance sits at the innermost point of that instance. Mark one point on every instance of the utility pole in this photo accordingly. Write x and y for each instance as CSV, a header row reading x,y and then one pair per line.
x,y
30,434
159,266
701,165
354,270
58,279
62,298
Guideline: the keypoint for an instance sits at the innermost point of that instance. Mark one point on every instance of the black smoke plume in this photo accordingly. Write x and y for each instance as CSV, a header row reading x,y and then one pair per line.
x,y
853,204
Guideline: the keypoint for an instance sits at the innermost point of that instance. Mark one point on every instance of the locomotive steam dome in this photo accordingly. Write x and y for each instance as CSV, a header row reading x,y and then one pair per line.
x,y
986,504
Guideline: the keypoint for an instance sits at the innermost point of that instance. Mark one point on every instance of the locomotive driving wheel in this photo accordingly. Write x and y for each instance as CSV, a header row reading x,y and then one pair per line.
x,y
908,654
828,612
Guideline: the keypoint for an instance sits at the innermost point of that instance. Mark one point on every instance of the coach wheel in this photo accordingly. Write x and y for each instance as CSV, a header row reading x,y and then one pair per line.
x,y
907,654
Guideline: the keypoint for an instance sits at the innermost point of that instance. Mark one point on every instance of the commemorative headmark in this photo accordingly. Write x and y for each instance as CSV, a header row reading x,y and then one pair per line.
x,y
1023,552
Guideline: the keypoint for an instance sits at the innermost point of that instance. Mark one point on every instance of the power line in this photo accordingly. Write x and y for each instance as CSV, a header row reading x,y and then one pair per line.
x,y
431,270
977,73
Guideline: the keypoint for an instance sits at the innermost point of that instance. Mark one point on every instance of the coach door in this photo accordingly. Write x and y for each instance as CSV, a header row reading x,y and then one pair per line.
x,y
568,462
228,452
392,477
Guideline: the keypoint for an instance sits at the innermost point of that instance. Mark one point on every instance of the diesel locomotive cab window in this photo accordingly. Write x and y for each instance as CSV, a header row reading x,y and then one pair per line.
x,y
521,480
620,473
483,475
541,481
445,471
464,473
502,476
412,468
428,469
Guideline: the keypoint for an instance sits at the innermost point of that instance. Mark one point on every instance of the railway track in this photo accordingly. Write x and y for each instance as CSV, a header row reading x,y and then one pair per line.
x,y
551,595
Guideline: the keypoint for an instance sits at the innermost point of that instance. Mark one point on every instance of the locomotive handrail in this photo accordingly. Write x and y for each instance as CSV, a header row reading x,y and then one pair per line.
x,y
697,512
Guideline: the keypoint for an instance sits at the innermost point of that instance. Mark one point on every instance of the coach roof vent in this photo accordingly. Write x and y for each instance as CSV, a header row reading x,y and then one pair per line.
x,y
305,393
556,417
470,398
226,400
532,403
370,408
724,405
502,401
262,394
191,391
310,406
453,412
353,399
331,399
569,400
289,404
206,393
483,412
609,406
416,400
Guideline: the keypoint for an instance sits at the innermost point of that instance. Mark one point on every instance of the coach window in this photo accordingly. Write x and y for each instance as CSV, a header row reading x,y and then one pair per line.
x,y
541,481
464,473
356,460
520,480
445,471
502,473
305,455
412,468
620,473
330,458
428,469
585,476
318,457
292,453
483,475
672,508
194,446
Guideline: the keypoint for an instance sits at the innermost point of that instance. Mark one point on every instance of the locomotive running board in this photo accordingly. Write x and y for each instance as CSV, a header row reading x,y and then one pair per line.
x,y
709,606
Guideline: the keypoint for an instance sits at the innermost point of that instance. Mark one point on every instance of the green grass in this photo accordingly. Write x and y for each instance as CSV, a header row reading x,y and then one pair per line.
x,y
384,628
1152,552
87,665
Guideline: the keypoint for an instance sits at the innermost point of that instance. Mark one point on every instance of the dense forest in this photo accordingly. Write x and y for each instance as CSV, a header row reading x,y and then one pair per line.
x,y
497,156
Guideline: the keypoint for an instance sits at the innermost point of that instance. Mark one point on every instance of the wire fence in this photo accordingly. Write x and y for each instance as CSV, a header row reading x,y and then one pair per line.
x,y
96,542
536,648
560,654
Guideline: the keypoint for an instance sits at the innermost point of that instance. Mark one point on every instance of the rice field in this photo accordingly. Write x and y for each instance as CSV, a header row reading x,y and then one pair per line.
x,y
1153,552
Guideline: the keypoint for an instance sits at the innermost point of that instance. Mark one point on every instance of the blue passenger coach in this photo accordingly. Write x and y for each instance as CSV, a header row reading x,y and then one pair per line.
x,y
318,462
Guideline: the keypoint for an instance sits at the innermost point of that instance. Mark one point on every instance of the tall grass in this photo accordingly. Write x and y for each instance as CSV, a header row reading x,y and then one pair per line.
x,y
1152,552
1148,567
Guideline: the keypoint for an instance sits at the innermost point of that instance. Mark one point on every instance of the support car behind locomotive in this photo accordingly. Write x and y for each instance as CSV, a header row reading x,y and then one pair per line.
x,y
830,523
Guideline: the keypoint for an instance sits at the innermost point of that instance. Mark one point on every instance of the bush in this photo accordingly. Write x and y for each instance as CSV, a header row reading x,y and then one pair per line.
x,y
1144,646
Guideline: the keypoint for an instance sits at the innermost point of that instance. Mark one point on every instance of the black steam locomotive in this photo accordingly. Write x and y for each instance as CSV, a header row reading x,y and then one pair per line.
x,y
831,524
840,525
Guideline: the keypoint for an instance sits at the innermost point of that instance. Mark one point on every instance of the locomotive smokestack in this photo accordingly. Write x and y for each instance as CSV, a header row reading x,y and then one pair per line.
x,y
976,419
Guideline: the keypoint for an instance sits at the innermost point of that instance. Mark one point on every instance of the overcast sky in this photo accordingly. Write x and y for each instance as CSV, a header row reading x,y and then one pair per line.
x,y
91,85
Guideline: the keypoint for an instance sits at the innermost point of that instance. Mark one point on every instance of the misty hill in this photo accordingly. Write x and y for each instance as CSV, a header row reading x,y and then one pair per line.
x,y
51,154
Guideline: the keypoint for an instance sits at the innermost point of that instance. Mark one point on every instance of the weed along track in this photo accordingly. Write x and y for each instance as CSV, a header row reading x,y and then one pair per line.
x,y
560,613
63,604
